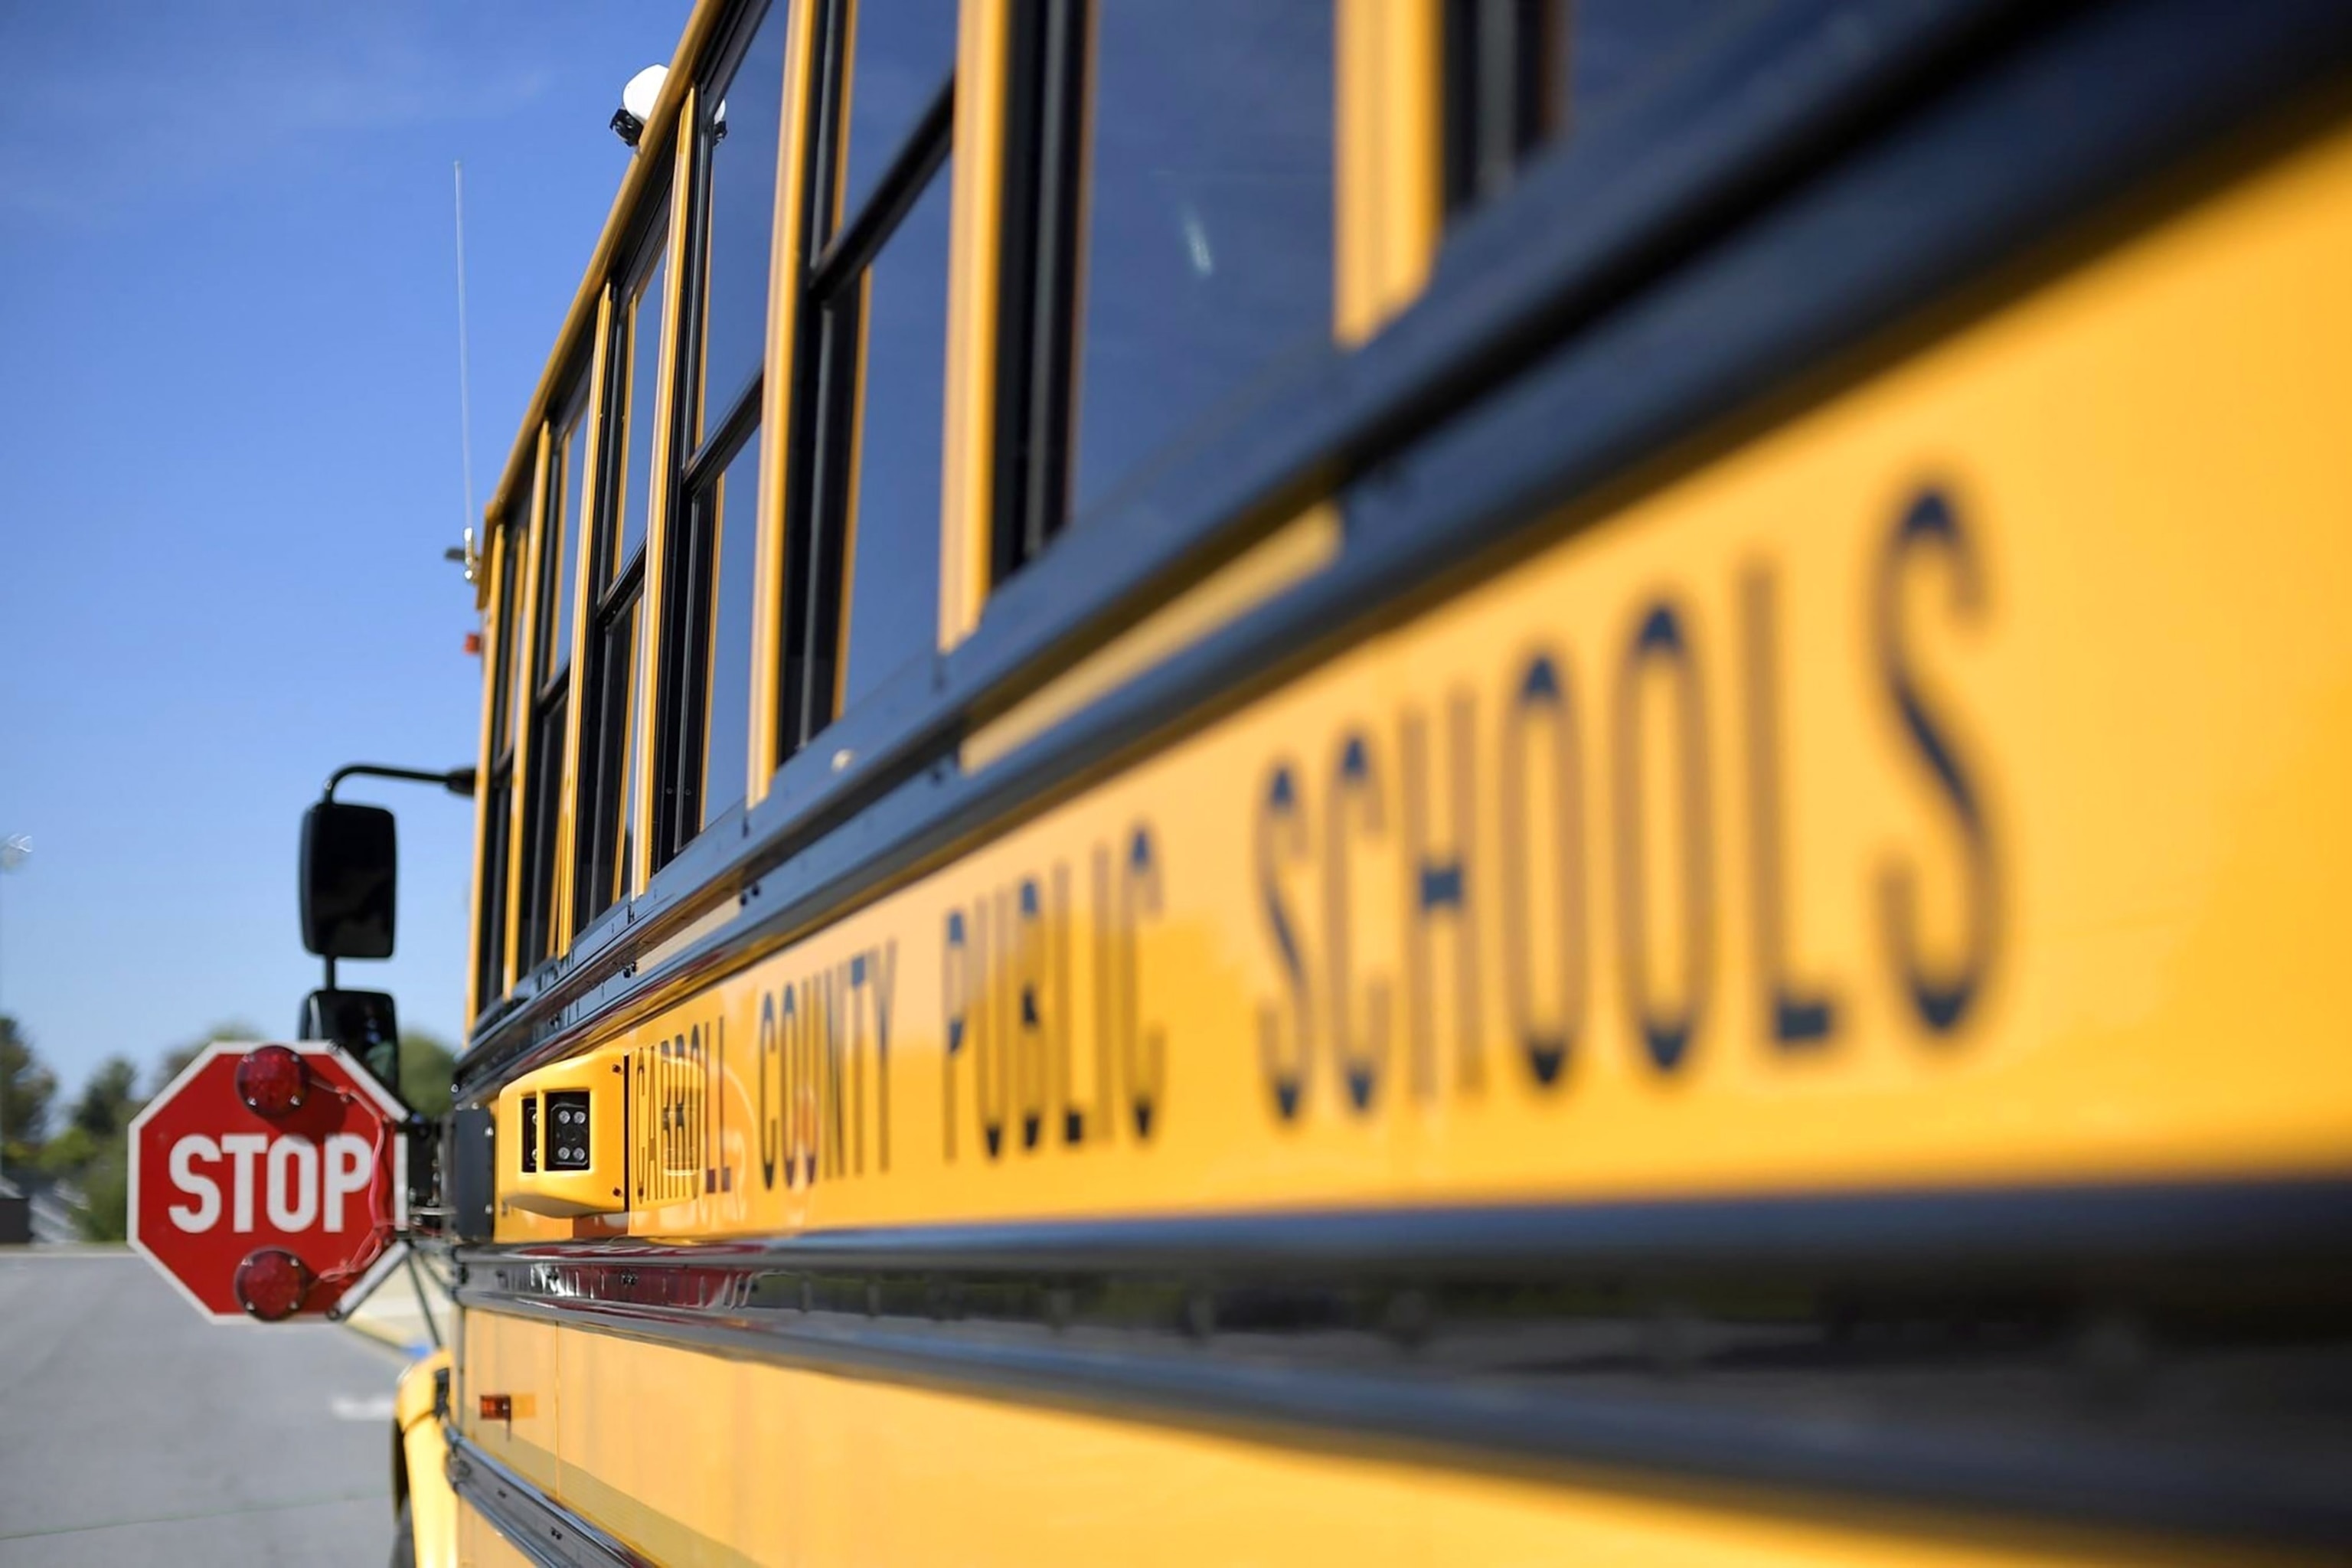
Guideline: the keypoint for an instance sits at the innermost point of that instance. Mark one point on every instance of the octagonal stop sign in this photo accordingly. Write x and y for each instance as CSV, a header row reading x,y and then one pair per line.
x,y
267,1180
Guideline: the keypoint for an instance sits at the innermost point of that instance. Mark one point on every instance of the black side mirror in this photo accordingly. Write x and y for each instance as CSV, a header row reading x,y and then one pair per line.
x,y
364,1023
349,863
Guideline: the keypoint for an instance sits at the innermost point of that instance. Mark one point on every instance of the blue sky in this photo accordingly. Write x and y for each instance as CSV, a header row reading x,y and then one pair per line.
x,y
230,465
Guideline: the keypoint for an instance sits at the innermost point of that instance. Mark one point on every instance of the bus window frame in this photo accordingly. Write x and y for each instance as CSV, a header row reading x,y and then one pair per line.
x,y
1045,189
1502,100
712,434
835,253
581,401
630,583
487,928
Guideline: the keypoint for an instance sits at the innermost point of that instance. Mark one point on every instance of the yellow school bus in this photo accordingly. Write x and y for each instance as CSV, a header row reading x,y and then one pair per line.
x,y
1422,782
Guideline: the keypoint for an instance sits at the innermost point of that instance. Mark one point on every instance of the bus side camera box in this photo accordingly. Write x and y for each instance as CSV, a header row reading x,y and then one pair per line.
x,y
561,1150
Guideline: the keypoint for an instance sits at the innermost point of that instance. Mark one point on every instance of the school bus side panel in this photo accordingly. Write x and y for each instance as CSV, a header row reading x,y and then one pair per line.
x,y
1944,787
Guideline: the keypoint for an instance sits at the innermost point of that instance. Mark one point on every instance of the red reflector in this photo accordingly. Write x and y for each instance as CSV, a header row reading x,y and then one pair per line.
x,y
474,642
272,1081
271,1283
497,1408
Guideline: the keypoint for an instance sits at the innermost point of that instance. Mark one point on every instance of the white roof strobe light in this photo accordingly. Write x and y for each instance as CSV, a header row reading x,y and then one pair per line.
x,y
637,103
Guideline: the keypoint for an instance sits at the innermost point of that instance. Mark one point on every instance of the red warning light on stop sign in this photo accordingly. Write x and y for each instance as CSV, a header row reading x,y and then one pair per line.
x,y
215,1181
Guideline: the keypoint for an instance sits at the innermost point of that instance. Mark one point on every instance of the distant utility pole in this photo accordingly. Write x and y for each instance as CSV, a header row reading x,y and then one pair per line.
x,y
15,850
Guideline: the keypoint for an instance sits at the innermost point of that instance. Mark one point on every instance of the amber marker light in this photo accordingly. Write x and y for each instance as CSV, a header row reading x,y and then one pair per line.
x,y
273,1082
271,1283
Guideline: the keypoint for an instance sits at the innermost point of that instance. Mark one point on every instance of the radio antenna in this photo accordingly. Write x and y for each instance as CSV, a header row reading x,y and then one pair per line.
x,y
465,388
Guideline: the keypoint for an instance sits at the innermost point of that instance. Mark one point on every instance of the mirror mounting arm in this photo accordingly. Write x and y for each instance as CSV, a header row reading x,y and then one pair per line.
x,y
456,781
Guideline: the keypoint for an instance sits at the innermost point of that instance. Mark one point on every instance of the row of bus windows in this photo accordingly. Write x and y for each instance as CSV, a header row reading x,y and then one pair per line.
x,y
1166,237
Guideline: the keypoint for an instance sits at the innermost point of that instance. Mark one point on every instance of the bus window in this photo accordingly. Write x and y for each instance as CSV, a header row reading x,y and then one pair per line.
x,y
708,762
896,57
1169,234
893,504
712,554
561,530
735,221
561,524
490,947
634,403
871,355
733,506
616,651
1521,73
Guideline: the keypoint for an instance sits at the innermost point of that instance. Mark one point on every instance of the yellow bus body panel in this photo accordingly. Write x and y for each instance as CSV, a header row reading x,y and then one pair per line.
x,y
1997,708
705,1463
432,1509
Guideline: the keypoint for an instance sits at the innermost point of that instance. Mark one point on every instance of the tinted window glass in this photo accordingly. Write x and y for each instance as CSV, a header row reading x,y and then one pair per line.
x,y
490,961
741,214
1207,247
894,526
544,791
506,563
634,486
628,648
1615,47
733,510
567,490
900,56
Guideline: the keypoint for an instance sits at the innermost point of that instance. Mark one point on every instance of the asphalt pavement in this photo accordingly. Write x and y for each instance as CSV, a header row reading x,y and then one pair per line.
x,y
134,1432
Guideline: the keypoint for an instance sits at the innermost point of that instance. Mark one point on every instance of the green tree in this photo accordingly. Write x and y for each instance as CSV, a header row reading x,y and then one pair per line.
x,y
106,1192
68,1154
26,1089
110,1099
427,1065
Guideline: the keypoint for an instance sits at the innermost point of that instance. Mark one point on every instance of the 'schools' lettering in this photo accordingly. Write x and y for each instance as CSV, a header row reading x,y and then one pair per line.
x,y
1618,821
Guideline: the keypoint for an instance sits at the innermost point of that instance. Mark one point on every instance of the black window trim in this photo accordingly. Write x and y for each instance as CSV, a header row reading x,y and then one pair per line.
x,y
681,715
603,769
547,583
1499,101
836,256
1043,191
492,895
546,710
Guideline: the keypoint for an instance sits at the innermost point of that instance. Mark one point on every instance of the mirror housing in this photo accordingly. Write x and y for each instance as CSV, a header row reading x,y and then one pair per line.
x,y
364,1023
350,866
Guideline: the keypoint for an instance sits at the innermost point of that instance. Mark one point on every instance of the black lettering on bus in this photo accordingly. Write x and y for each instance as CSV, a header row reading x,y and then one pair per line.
x,y
1667,1025
1540,731
856,1002
886,981
824,1018
1029,1050
1355,794
1143,1052
772,1121
1940,994
699,1060
1793,1018
1287,1055
1106,946
1060,1025
955,997
1438,890
992,1039
800,1170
